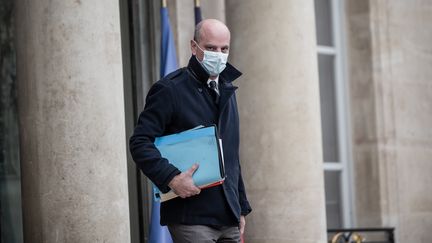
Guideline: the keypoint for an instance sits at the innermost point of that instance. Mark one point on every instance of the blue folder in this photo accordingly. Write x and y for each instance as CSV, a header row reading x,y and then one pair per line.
x,y
198,145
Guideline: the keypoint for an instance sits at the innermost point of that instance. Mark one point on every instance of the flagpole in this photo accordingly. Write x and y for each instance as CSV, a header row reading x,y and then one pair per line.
x,y
164,3
197,10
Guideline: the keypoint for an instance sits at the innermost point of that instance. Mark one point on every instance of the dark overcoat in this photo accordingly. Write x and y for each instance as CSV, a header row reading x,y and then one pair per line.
x,y
182,101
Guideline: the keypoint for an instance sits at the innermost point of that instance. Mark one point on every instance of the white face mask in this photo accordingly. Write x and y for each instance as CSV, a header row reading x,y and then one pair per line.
x,y
213,62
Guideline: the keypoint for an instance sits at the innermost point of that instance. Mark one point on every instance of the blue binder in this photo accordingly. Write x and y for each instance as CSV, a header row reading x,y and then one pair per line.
x,y
198,145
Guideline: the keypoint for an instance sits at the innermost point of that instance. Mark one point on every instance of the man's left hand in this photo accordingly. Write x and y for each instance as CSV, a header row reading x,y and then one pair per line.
x,y
242,224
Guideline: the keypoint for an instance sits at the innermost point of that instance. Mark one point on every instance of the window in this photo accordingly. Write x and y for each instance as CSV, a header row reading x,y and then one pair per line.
x,y
334,117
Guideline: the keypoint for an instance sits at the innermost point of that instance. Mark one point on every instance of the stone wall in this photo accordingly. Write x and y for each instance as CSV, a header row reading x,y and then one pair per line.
x,y
390,74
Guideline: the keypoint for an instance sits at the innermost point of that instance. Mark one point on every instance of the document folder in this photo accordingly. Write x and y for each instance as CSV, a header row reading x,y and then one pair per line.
x,y
199,145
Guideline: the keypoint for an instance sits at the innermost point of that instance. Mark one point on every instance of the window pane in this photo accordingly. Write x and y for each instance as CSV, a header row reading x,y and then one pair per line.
x,y
323,22
328,108
333,199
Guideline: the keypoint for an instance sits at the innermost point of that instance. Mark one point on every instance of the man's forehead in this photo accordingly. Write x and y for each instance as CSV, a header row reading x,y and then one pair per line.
x,y
215,39
215,42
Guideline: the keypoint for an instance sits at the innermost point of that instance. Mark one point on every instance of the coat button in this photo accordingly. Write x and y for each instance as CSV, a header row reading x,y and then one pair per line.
x,y
200,90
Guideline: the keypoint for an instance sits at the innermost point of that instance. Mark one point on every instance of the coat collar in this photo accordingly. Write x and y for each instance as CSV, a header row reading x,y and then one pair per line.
x,y
229,74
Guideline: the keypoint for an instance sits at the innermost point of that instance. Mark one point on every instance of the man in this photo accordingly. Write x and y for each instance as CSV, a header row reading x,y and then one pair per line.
x,y
199,94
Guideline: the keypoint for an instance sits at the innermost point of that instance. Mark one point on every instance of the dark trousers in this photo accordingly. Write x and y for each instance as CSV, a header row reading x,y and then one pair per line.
x,y
181,233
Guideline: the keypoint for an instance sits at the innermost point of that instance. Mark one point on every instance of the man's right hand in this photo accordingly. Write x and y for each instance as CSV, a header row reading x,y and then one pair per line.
x,y
183,185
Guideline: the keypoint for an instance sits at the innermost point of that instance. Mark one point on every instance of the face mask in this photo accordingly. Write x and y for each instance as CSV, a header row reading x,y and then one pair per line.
x,y
213,62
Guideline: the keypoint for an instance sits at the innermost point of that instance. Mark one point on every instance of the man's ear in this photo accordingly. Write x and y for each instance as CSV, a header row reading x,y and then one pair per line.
x,y
193,47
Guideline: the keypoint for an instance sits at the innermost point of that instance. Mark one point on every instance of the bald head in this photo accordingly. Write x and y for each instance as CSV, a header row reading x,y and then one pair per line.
x,y
210,27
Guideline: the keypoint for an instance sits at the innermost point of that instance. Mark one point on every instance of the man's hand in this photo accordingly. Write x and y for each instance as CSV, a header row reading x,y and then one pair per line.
x,y
242,224
183,185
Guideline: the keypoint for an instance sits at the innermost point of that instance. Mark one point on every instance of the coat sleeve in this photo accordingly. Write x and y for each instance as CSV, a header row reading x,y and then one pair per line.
x,y
244,203
152,121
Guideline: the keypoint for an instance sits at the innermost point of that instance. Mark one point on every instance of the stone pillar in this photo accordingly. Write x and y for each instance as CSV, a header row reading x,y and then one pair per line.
x,y
72,127
273,43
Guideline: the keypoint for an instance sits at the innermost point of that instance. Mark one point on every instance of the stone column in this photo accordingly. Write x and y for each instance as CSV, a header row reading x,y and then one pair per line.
x,y
273,44
72,127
